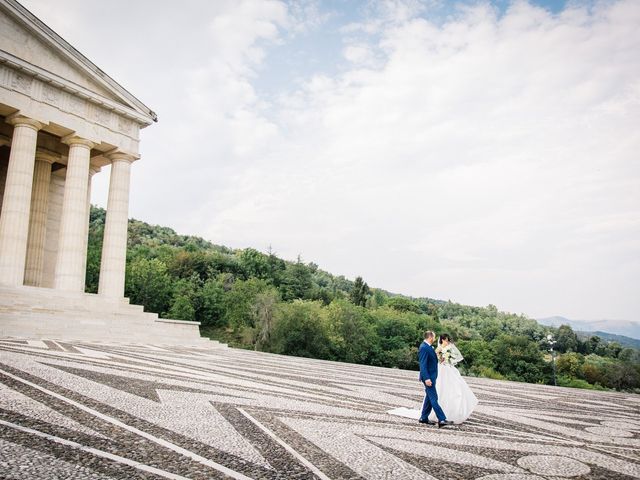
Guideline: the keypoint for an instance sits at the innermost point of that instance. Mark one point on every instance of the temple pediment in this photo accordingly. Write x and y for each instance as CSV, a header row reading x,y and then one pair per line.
x,y
27,45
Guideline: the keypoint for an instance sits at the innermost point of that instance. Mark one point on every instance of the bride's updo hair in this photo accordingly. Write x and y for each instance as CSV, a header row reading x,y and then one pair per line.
x,y
444,336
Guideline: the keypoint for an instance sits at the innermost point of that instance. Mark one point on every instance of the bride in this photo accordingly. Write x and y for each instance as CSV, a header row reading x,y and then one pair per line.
x,y
454,395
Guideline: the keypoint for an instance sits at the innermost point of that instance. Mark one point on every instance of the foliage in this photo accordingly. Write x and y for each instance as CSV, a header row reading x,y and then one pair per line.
x,y
360,292
265,304
148,284
403,304
478,356
351,332
257,300
296,281
570,365
517,358
212,303
301,329
240,302
182,309
567,340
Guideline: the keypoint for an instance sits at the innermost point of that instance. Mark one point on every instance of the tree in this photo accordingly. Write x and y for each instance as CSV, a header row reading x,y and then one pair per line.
x,y
566,339
239,302
377,299
630,355
296,282
595,345
301,330
254,263
265,304
148,283
570,364
402,304
477,355
276,268
323,294
623,377
396,329
185,264
595,368
491,330
613,349
519,358
359,293
351,331
398,334
212,303
221,262
182,309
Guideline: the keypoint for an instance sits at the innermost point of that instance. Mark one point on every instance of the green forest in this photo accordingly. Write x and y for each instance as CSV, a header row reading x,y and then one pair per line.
x,y
255,300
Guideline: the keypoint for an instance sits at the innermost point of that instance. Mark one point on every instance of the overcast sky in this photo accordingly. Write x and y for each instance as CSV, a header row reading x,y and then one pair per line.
x,y
473,151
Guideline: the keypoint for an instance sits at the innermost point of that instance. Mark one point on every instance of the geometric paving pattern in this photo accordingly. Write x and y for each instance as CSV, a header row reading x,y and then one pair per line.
x,y
88,410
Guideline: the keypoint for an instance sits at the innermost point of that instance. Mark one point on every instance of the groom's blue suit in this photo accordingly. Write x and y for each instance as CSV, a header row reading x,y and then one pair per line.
x,y
429,371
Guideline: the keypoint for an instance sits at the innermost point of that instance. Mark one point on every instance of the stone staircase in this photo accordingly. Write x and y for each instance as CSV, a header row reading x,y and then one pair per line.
x,y
37,313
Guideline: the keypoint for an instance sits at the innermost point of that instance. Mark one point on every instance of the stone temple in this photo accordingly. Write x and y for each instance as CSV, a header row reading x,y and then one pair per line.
x,y
62,120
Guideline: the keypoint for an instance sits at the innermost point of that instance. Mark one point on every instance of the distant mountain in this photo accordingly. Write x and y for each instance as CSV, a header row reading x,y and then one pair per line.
x,y
611,337
626,328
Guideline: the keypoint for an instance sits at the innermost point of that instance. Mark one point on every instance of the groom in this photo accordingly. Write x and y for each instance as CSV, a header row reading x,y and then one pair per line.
x,y
428,376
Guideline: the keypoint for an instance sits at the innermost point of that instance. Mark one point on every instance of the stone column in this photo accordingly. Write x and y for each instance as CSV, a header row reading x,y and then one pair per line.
x,y
38,220
56,196
92,171
71,244
16,204
114,246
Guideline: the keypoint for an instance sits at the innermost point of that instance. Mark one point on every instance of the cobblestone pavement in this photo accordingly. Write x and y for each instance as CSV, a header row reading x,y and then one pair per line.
x,y
82,410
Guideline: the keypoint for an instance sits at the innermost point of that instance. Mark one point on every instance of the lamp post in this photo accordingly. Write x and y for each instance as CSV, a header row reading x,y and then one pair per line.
x,y
552,342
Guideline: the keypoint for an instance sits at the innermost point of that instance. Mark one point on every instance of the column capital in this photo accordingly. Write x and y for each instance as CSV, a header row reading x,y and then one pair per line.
x,y
121,157
93,170
47,156
16,119
73,139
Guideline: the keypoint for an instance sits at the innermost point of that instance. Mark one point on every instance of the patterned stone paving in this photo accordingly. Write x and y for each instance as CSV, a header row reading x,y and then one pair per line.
x,y
82,410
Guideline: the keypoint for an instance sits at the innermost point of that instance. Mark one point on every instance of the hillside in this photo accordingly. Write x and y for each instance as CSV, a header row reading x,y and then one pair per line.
x,y
258,301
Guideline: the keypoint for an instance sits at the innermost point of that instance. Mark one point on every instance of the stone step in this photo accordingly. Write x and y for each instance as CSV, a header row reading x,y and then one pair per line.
x,y
46,313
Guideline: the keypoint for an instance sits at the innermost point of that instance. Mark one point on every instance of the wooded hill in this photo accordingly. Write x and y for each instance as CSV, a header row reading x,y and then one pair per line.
x,y
257,300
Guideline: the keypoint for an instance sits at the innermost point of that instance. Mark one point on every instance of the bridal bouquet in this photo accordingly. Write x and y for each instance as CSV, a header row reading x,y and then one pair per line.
x,y
444,354
449,354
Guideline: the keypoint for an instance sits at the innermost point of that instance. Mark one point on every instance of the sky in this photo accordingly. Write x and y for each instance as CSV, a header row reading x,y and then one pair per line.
x,y
479,152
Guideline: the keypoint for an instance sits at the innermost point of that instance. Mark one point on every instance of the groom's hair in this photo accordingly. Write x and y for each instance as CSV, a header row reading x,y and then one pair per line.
x,y
429,334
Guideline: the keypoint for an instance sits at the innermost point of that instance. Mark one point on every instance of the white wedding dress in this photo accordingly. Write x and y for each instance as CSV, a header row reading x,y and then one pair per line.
x,y
454,395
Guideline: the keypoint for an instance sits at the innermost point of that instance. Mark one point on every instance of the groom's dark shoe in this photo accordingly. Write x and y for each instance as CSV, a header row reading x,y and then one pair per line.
x,y
444,423
428,422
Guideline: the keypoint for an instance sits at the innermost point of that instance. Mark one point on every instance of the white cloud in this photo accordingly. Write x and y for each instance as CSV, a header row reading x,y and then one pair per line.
x,y
359,54
485,157
476,159
306,15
